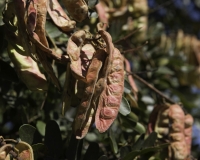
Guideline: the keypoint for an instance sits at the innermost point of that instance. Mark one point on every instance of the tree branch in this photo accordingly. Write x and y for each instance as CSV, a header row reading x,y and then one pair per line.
x,y
151,87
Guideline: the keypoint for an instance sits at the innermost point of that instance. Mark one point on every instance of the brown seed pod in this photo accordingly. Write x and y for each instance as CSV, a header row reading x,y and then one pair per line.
x,y
178,149
171,124
35,24
188,131
59,17
26,68
85,113
110,99
74,46
159,121
78,9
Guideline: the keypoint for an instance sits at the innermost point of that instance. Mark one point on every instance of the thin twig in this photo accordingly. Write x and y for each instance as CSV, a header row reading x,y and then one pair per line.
x,y
127,36
134,49
131,50
151,87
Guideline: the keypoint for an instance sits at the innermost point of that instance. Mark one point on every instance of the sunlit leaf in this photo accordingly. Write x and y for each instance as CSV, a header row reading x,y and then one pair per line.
x,y
41,127
164,70
124,108
132,116
127,87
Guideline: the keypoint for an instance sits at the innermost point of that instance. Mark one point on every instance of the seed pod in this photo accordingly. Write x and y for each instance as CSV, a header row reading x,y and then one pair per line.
x,y
25,66
110,98
74,46
130,77
59,17
35,24
178,149
170,122
78,9
84,114
188,131
25,151
159,121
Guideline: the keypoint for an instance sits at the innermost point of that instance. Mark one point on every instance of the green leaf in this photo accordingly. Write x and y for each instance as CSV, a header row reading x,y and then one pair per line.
x,y
92,3
26,133
124,107
132,116
51,30
138,144
103,158
136,153
139,128
92,14
123,151
74,148
136,125
113,142
53,140
92,152
150,141
38,149
163,61
91,137
164,70
127,87
41,127
131,99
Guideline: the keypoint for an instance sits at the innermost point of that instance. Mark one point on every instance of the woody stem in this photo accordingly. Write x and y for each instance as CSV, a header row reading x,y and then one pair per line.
x,y
151,87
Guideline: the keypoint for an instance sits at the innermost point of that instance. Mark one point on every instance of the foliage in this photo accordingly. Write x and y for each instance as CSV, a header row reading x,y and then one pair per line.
x,y
167,58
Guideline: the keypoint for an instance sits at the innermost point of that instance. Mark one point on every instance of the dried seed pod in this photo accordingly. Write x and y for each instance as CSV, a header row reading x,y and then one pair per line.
x,y
25,151
188,131
59,17
78,9
159,121
110,98
178,148
74,45
26,68
83,59
130,77
35,24
170,122
84,114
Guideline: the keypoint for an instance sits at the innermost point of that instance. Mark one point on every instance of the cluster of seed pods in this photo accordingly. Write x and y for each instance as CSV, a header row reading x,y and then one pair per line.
x,y
25,24
101,72
96,66
172,125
